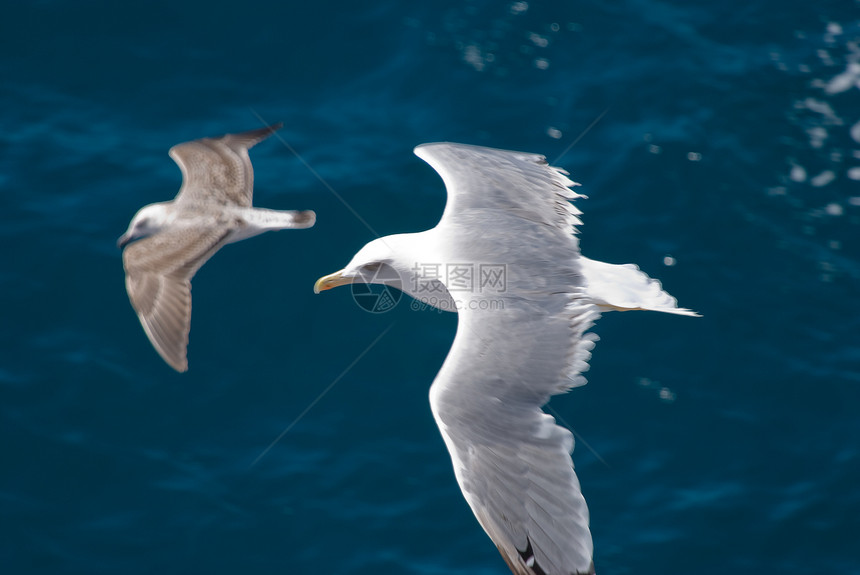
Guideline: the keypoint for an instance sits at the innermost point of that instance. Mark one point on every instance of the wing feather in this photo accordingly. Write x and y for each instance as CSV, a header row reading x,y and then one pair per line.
x,y
219,169
515,471
158,281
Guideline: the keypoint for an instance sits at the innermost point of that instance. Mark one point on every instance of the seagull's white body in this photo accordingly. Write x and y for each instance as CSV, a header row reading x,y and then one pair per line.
x,y
511,459
173,239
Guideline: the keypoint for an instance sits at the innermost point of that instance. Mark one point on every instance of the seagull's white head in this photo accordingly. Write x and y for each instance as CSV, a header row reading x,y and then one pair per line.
x,y
390,261
147,221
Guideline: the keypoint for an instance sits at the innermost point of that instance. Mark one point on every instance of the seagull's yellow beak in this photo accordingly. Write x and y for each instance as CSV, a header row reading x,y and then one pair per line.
x,y
331,281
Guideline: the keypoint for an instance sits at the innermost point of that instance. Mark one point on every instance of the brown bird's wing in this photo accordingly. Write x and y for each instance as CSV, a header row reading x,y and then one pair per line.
x,y
158,272
219,169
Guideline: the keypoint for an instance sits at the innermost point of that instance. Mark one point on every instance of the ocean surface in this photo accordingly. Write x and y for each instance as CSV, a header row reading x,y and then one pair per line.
x,y
718,144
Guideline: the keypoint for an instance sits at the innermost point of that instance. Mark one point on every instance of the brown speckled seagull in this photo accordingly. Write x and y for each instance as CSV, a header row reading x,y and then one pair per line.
x,y
171,240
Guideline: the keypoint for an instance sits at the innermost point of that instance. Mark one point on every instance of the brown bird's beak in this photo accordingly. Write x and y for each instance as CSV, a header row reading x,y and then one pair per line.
x,y
123,240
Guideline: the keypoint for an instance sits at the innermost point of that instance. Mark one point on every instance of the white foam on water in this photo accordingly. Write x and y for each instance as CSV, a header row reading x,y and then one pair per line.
x,y
855,135
797,173
823,179
844,81
834,209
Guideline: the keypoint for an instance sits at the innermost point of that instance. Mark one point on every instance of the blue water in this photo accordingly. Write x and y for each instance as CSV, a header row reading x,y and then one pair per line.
x,y
730,146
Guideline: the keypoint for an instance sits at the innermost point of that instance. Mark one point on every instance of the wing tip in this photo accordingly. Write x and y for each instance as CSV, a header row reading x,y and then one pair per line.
x,y
683,311
179,366
247,139
421,150
559,175
179,362
251,138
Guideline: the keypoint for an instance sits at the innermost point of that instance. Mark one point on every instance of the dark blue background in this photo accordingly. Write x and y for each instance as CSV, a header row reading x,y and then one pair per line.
x,y
112,463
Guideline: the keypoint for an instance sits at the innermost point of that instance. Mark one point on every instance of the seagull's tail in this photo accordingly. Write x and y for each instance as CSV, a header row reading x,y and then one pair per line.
x,y
624,287
302,219
264,220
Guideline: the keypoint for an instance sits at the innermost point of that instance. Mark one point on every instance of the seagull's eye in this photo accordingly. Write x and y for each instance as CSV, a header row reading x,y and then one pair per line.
x,y
371,267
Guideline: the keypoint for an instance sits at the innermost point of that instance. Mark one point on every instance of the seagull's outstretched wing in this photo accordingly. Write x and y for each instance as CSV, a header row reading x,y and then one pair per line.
x,y
158,272
219,169
516,346
521,184
511,459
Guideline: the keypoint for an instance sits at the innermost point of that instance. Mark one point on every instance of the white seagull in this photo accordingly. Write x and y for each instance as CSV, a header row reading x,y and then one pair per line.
x,y
173,239
523,313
